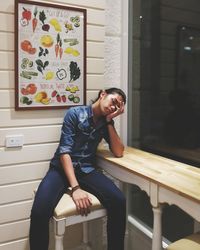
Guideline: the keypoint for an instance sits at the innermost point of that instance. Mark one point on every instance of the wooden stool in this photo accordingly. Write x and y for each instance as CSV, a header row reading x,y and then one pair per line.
x,y
65,214
192,242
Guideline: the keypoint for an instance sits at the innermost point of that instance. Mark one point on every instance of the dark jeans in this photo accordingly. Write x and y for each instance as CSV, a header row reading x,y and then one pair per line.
x,y
51,190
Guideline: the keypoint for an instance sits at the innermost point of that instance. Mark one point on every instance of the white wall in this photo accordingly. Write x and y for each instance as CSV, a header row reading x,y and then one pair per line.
x,y
21,169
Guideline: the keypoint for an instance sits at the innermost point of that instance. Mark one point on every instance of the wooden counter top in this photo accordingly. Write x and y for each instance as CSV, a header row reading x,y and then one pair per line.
x,y
178,177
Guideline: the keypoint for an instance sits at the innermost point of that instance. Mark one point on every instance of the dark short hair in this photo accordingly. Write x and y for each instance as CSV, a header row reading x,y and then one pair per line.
x,y
113,91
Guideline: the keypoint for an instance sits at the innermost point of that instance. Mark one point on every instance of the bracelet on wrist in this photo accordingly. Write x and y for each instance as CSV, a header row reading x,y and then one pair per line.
x,y
111,122
75,188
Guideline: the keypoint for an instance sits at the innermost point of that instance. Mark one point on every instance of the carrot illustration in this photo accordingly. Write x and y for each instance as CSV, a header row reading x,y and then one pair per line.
x,y
60,49
57,44
56,49
34,21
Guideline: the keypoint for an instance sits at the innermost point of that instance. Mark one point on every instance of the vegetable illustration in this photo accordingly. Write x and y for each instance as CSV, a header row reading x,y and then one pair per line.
x,y
63,97
25,100
68,27
49,75
58,46
42,18
76,21
43,52
72,89
34,20
42,97
76,99
61,74
27,46
30,89
54,93
72,51
58,98
71,41
54,22
28,74
26,63
46,41
74,71
60,49
41,66
26,14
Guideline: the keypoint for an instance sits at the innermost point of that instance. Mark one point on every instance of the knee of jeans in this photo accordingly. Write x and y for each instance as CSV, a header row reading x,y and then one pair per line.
x,y
40,214
119,202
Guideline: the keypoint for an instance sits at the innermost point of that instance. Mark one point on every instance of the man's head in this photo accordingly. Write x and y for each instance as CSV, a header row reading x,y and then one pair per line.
x,y
110,100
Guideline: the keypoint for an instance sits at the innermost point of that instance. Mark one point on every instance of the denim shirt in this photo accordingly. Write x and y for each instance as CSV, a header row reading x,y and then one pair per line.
x,y
80,138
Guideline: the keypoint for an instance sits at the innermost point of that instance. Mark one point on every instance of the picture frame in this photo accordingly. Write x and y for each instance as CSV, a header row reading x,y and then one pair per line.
x,y
50,55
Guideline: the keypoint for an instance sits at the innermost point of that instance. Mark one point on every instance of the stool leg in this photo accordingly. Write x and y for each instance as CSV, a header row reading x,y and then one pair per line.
x,y
59,230
86,235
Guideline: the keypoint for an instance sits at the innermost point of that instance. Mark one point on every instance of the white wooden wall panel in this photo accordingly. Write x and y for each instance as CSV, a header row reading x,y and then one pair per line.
x,y
15,211
7,60
95,33
17,192
11,118
21,169
33,134
95,81
95,66
15,245
38,152
7,24
13,231
7,79
23,172
6,41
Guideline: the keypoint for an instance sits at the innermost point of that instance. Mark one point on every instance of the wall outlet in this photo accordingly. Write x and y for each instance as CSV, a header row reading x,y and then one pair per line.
x,y
13,141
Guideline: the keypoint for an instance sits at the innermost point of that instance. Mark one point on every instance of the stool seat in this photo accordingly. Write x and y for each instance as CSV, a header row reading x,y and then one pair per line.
x,y
66,206
191,242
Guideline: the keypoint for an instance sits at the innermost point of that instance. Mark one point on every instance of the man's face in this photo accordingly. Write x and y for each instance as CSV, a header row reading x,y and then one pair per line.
x,y
110,102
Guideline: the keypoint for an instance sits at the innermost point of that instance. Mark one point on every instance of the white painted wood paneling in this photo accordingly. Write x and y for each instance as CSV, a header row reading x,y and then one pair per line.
x,y
95,66
7,60
21,169
16,211
11,118
95,81
18,192
7,79
7,23
33,135
14,231
6,41
95,33
23,172
31,153
95,49
15,245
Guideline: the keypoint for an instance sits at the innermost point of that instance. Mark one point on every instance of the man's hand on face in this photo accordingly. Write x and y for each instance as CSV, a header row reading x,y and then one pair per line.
x,y
117,110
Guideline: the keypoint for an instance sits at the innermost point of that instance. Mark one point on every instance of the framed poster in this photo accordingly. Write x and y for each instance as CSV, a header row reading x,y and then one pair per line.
x,y
50,55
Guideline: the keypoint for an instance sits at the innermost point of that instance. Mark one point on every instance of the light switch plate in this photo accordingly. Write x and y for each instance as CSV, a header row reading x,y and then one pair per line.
x,y
13,141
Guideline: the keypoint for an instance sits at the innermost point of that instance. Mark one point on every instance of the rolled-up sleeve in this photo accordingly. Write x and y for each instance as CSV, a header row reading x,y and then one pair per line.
x,y
67,133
